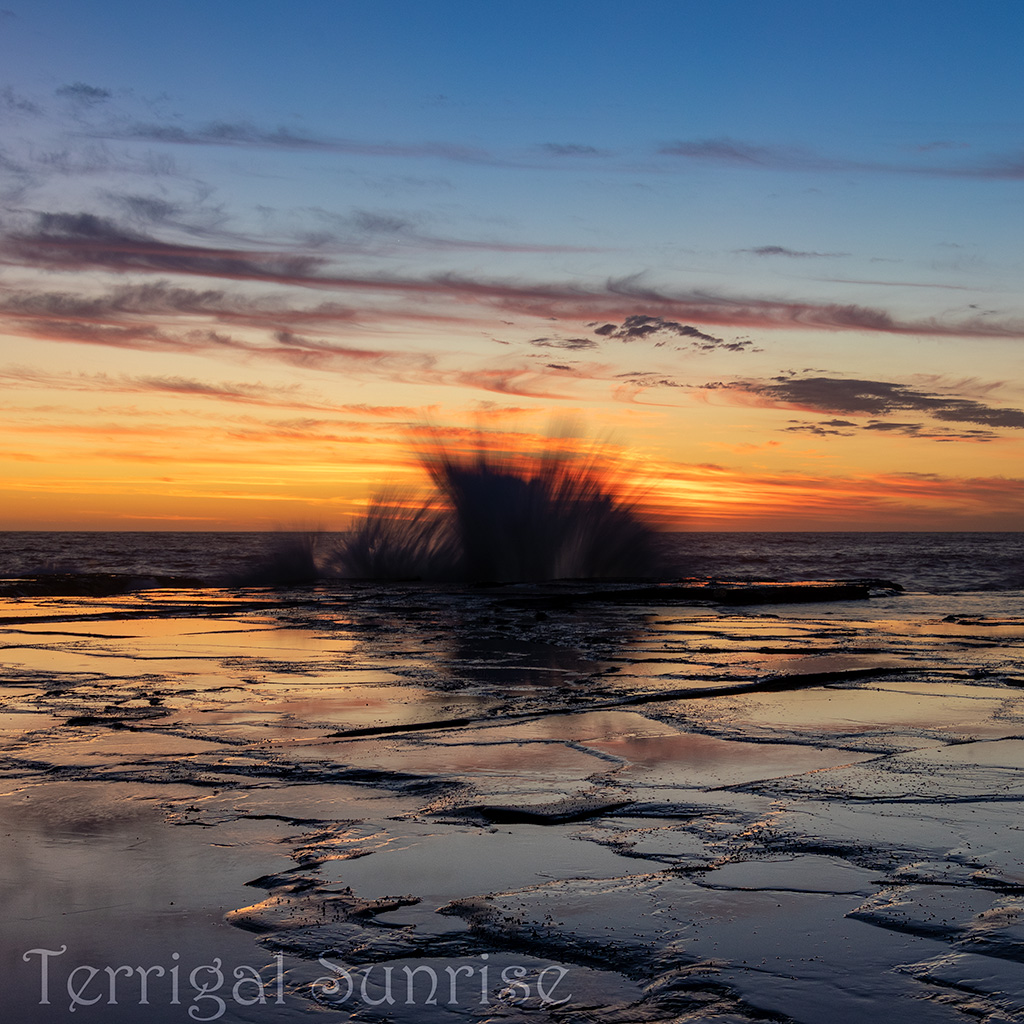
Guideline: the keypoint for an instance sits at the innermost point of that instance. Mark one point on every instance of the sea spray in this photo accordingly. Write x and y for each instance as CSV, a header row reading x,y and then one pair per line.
x,y
498,516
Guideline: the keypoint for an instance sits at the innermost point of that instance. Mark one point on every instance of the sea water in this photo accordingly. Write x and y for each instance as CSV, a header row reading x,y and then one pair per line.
x,y
938,563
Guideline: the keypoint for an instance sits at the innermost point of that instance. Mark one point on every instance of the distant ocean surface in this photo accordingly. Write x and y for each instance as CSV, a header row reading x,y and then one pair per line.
x,y
939,563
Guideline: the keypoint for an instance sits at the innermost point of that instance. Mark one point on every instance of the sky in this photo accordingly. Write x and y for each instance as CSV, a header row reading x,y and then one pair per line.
x,y
767,255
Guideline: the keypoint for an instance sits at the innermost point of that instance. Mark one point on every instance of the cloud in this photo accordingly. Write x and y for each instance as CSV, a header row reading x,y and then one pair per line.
x,y
572,344
16,103
732,152
927,147
79,241
67,241
88,95
285,396
111,322
853,397
148,299
827,428
745,154
642,327
148,209
943,285
779,250
248,135
571,149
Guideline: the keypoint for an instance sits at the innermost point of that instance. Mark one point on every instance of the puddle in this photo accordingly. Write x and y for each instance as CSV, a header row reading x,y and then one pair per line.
x,y
690,759
93,869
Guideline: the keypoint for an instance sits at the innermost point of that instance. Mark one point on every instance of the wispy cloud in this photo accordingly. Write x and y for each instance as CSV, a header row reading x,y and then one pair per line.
x,y
738,153
781,250
16,103
249,135
841,428
572,149
631,307
571,344
68,241
747,154
80,92
852,397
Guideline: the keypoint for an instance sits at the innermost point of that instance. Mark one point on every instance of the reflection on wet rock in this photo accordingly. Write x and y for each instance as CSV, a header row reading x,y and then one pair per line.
x,y
696,812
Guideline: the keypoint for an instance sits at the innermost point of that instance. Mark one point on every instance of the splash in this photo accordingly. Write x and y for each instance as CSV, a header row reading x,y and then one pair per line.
x,y
288,559
497,516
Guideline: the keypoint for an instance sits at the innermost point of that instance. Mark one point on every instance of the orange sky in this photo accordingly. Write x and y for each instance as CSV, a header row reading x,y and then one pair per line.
x,y
229,299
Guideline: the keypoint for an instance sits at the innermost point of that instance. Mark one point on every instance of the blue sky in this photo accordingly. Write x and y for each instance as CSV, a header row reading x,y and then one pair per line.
x,y
217,218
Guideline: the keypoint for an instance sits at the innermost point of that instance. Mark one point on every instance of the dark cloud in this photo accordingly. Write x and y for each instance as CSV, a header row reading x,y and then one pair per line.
x,y
251,135
827,428
779,250
928,147
570,149
641,327
818,429
71,240
148,209
745,154
572,344
12,101
791,158
158,299
933,433
79,241
943,285
246,134
876,398
645,379
85,94
381,223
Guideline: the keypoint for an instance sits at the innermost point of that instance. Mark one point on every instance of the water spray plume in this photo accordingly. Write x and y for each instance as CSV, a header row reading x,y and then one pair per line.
x,y
498,515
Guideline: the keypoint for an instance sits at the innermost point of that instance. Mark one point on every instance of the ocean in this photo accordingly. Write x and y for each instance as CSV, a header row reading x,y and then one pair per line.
x,y
937,563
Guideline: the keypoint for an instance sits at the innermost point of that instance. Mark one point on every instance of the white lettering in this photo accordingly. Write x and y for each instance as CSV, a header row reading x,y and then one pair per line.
x,y
453,973
547,997
112,973
330,987
76,994
248,975
144,973
386,998
206,991
509,993
44,963
410,974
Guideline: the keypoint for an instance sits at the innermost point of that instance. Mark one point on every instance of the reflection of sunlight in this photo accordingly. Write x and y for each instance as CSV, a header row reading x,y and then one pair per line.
x,y
693,759
935,707
553,761
429,862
